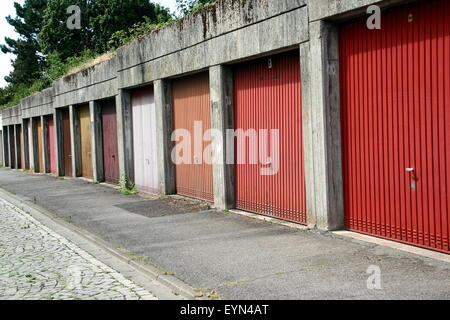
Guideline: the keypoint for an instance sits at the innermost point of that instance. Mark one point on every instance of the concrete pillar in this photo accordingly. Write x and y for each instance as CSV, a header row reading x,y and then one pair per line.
x,y
75,141
221,91
321,125
1,148
164,127
26,145
5,146
97,141
125,134
59,142
34,137
17,128
45,144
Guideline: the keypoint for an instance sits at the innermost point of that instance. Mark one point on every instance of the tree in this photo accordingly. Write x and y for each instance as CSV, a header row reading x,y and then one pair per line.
x,y
29,61
111,16
100,19
188,6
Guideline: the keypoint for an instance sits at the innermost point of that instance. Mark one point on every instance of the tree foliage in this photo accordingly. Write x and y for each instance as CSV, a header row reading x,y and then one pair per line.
x,y
187,6
100,19
29,61
47,49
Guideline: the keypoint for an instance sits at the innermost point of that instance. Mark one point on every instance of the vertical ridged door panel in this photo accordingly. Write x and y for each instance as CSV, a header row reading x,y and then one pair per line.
x,y
40,137
51,143
192,104
22,157
30,145
267,96
67,147
110,148
395,111
144,140
86,144
12,147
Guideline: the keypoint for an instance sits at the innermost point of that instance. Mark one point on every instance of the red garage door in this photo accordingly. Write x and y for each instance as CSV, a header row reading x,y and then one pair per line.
x,y
109,138
267,97
395,102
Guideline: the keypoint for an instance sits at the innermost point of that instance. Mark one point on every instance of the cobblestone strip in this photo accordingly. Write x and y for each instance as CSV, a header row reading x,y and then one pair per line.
x,y
37,263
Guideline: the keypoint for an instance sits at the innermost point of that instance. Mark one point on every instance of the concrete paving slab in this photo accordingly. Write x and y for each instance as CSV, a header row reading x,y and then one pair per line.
x,y
237,256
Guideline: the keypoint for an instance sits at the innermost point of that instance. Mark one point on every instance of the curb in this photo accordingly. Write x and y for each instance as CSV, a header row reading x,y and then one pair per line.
x,y
173,283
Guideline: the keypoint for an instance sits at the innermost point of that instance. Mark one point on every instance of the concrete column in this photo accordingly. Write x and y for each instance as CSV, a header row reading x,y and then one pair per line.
x,y
221,91
6,146
45,144
164,127
125,134
75,141
59,142
321,125
1,148
34,137
17,128
26,145
97,141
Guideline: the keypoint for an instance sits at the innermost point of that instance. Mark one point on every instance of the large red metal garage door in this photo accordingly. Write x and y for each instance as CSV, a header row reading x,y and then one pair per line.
x,y
267,96
395,100
192,108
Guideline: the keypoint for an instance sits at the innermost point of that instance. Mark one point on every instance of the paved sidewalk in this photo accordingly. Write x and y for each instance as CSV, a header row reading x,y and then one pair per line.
x,y
37,263
234,256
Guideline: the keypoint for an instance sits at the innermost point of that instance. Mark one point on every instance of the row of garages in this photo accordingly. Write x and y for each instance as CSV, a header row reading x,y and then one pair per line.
x,y
395,111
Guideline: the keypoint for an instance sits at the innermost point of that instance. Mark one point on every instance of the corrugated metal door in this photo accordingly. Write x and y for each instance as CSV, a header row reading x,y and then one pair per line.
x,y
86,145
40,145
30,145
395,102
51,143
270,176
22,157
144,140
67,147
110,148
192,109
12,148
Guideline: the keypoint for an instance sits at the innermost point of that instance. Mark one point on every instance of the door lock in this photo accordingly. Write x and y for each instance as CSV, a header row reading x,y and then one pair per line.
x,y
413,177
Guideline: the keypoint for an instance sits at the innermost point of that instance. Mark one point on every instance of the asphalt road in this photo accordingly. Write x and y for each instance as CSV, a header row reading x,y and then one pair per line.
x,y
234,256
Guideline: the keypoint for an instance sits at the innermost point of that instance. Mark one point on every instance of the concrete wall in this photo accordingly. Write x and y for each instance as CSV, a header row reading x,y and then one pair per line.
x,y
212,39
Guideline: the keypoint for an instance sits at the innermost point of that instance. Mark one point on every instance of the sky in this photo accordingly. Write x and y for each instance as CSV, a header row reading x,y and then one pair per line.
x,y
7,8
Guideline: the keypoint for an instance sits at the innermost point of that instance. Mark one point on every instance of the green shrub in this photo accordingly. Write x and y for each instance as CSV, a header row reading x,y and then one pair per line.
x,y
127,187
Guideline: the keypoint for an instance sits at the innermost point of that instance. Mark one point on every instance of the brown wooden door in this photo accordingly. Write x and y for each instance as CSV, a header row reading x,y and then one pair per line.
x,y
192,109
86,151
40,137
66,143
110,148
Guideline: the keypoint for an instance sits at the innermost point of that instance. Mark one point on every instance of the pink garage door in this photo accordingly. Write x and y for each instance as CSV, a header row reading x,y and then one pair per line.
x,y
144,140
